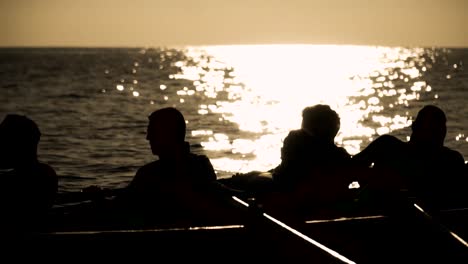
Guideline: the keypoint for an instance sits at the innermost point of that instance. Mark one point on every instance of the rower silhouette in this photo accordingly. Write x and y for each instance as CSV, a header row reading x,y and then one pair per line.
x,y
178,187
29,186
423,166
311,148
311,174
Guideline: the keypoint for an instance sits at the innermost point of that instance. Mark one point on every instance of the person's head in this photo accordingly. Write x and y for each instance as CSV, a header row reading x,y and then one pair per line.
x,y
166,130
321,121
19,137
429,127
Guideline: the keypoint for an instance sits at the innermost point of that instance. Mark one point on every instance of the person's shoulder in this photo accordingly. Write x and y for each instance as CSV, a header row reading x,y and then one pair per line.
x,y
144,174
47,173
296,136
198,157
201,160
453,155
297,133
47,180
202,165
148,168
47,169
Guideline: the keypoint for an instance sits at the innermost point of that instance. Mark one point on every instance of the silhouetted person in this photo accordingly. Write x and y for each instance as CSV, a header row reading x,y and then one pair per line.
x,y
424,166
179,185
29,187
311,148
309,175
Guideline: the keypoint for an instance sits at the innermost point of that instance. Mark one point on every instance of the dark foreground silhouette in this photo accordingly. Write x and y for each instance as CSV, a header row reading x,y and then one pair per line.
x,y
179,186
311,148
423,167
313,173
180,190
28,186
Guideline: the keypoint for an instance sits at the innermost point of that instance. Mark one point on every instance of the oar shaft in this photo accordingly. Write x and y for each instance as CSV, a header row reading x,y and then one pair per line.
x,y
441,226
299,234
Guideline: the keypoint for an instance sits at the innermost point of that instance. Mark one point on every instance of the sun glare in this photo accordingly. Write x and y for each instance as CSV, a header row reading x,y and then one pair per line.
x,y
269,85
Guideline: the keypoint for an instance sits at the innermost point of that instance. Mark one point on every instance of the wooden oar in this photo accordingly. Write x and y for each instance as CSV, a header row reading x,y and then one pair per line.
x,y
441,227
299,234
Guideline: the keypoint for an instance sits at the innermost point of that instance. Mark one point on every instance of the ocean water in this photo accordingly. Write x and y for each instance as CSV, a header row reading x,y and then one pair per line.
x,y
239,101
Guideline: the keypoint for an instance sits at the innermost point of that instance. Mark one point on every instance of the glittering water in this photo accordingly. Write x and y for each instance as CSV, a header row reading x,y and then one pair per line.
x,y
239,101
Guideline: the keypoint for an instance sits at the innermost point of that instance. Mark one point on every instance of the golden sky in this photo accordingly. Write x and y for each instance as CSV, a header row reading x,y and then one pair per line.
x,y
119,23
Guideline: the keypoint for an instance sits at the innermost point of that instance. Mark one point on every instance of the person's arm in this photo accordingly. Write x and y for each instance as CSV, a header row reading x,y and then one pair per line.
x,y
51,186
208,178
135,185
375,150
289,149
207,169
46,183
456,168
281,171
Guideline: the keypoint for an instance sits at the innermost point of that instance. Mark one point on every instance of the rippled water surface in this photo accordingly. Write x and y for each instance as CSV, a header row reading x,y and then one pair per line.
x,y
239,101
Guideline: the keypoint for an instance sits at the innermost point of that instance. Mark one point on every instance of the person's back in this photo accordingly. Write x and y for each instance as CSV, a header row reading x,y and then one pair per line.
x,y
310,175
311,148
423,165
29,187
179,186
161,179
436,174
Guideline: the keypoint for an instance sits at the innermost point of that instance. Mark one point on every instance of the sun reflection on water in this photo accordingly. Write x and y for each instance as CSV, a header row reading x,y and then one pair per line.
x,y
261,90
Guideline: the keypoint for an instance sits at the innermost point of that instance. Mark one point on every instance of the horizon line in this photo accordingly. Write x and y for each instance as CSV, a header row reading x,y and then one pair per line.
x,y
218,45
